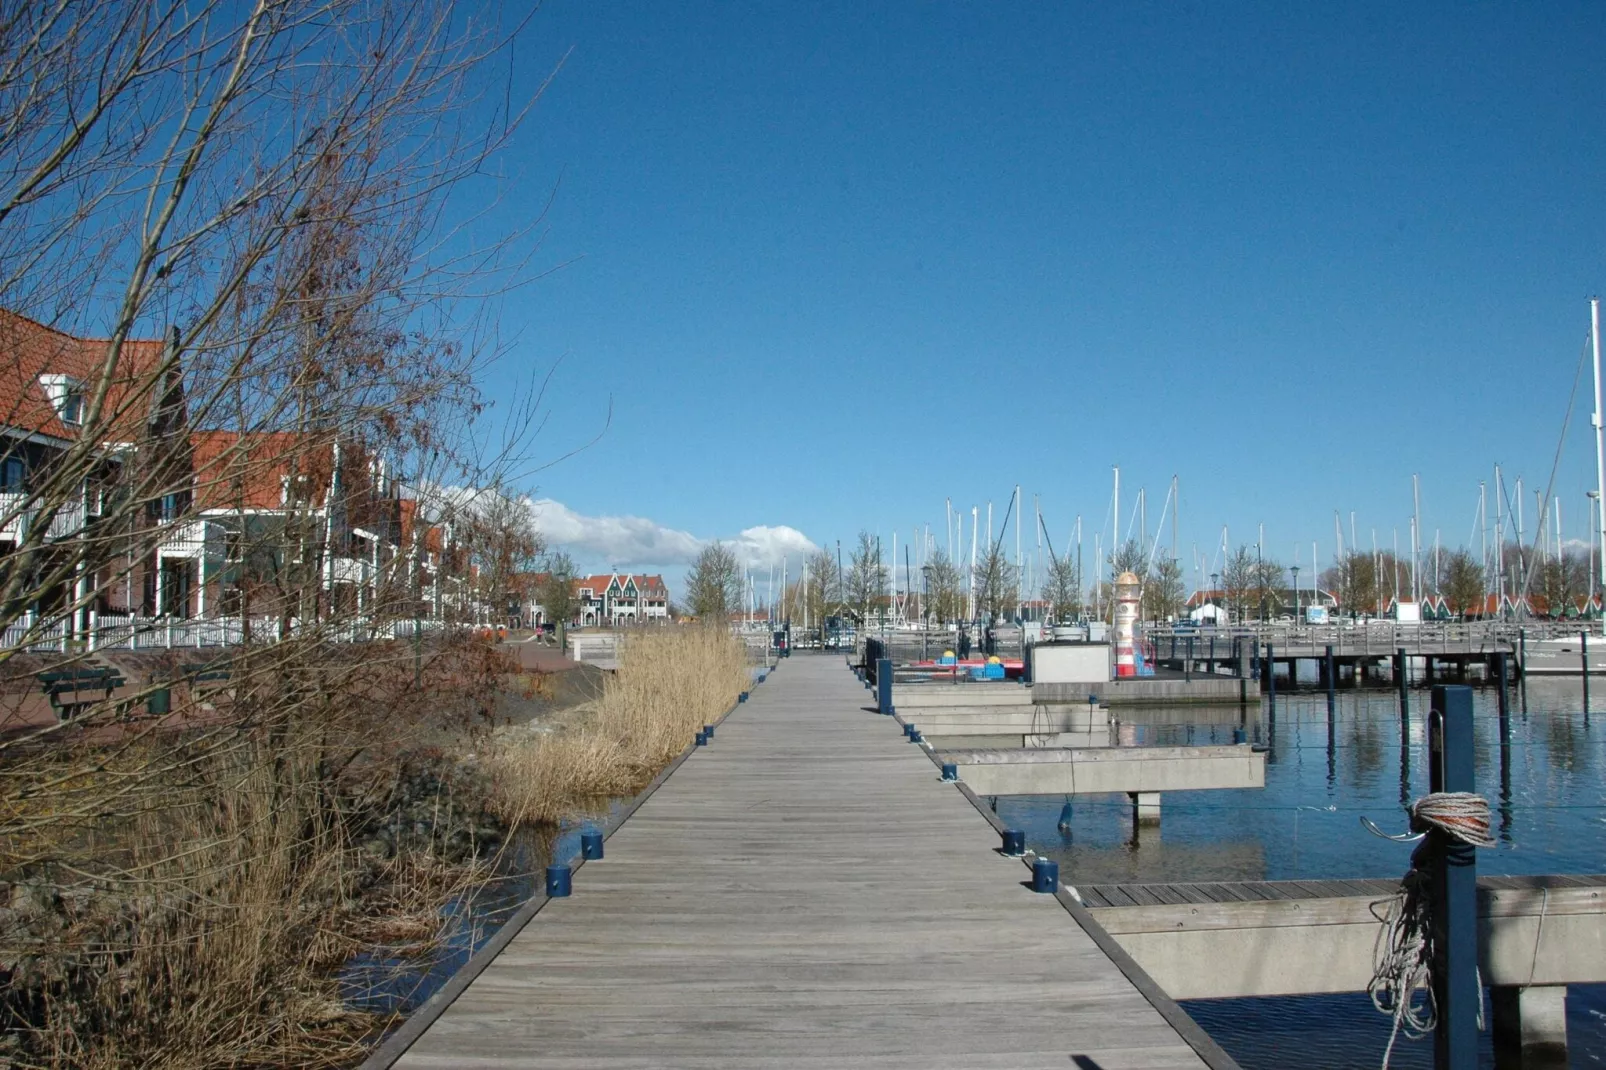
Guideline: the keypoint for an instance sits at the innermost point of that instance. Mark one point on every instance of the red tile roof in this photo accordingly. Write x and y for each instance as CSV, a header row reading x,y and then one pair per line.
x,y
249,471
29,349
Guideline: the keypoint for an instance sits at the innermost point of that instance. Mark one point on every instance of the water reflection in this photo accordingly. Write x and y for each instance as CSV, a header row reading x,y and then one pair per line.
x,y
1327,766
385,981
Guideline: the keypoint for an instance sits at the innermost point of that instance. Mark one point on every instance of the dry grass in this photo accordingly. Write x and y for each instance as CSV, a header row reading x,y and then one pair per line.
x,y
669,684
183,899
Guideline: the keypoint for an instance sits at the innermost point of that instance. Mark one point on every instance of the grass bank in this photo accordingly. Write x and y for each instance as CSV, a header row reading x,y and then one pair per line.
x,y
668,685
181,894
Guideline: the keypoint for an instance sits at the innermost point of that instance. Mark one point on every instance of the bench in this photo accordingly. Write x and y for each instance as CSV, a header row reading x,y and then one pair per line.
x,y
77,682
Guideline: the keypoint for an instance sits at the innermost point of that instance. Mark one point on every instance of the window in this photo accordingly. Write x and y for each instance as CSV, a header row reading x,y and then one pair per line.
x,y
12,474
66,397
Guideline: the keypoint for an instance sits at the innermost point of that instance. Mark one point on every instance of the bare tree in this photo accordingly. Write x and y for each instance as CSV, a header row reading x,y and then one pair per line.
x,y
1463,583
556,593
714,584
243,327
502,547
1162,591
943,591
866,581
819,591
997,584
1241,582
1062,588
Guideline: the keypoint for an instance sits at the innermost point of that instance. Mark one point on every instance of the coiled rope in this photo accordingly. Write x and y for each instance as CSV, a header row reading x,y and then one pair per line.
x,y
1405,948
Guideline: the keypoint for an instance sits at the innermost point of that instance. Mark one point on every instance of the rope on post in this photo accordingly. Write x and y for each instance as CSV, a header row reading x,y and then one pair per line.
x,y
1404,953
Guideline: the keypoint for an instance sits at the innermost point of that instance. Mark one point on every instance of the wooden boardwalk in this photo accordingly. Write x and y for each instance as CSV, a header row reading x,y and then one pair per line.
x,y
805,892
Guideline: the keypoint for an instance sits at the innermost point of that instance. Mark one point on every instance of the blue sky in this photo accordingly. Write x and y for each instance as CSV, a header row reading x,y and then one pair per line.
x,y
835,263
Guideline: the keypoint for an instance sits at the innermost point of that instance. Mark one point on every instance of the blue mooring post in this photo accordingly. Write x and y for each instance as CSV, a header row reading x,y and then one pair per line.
x,y
591,844
950,772
1014,843
908,731
1269,668
742,697
915,736
1187,662
1045,876
708,731
1332,679
883,683
1453,869
558,881
700,739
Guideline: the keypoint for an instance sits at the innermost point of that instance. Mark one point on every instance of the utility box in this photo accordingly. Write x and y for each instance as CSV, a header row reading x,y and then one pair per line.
x,y
1070,663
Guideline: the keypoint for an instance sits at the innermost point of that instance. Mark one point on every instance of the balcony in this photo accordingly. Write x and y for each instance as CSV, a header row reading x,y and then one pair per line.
x,y
23,512
348,570
197,540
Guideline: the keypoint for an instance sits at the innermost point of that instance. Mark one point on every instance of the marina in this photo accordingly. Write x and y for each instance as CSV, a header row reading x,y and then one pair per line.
x,y
806,883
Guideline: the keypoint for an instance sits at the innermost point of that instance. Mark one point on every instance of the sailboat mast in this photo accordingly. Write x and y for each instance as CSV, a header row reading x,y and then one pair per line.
x,y
1600,436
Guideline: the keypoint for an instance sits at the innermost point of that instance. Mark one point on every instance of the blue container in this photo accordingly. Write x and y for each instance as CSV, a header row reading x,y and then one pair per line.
x,y
591,844
558,880
701,740
1238,735
1045,876
1014,843
950,772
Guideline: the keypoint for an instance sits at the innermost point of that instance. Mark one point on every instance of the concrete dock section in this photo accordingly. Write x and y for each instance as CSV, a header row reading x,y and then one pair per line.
x,y
805,892
1101,770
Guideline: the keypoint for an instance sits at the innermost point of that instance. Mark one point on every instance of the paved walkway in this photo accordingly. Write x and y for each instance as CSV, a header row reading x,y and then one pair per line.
x,y
803,893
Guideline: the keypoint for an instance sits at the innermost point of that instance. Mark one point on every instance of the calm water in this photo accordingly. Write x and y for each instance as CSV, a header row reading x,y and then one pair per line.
x,y
1322,775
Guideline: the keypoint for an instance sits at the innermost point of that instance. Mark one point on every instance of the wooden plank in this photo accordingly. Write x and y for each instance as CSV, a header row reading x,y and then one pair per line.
x,y
803,893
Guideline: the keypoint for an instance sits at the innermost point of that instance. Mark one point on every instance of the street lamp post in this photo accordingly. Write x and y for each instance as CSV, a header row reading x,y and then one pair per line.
x,y
1215,610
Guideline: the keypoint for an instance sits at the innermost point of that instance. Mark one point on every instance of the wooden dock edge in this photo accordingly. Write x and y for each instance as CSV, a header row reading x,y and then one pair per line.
x,y
394,1046
1214,1056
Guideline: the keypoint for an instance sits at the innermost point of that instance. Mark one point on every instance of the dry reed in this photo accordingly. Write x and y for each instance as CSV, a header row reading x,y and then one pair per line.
x,y
185,899
667,686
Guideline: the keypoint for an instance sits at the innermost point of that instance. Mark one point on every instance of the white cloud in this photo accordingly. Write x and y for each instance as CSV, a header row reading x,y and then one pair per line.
x,y
764,546
636,542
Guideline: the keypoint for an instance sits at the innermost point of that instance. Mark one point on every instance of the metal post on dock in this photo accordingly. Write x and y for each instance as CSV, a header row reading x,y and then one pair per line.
x,y
1452,868
1187,662
1269,669
1583,659
1402,678
1500,682
1332,679
883,681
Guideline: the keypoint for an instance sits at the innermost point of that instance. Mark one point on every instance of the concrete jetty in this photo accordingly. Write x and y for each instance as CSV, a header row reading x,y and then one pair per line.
x,y
805,892
1536,936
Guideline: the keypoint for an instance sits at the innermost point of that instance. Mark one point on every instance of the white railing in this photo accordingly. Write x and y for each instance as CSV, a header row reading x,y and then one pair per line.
x,y
68,521
122,631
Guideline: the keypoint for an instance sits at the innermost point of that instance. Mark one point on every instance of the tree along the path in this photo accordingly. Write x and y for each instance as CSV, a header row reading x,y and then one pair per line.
x,y
866,581
714,584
